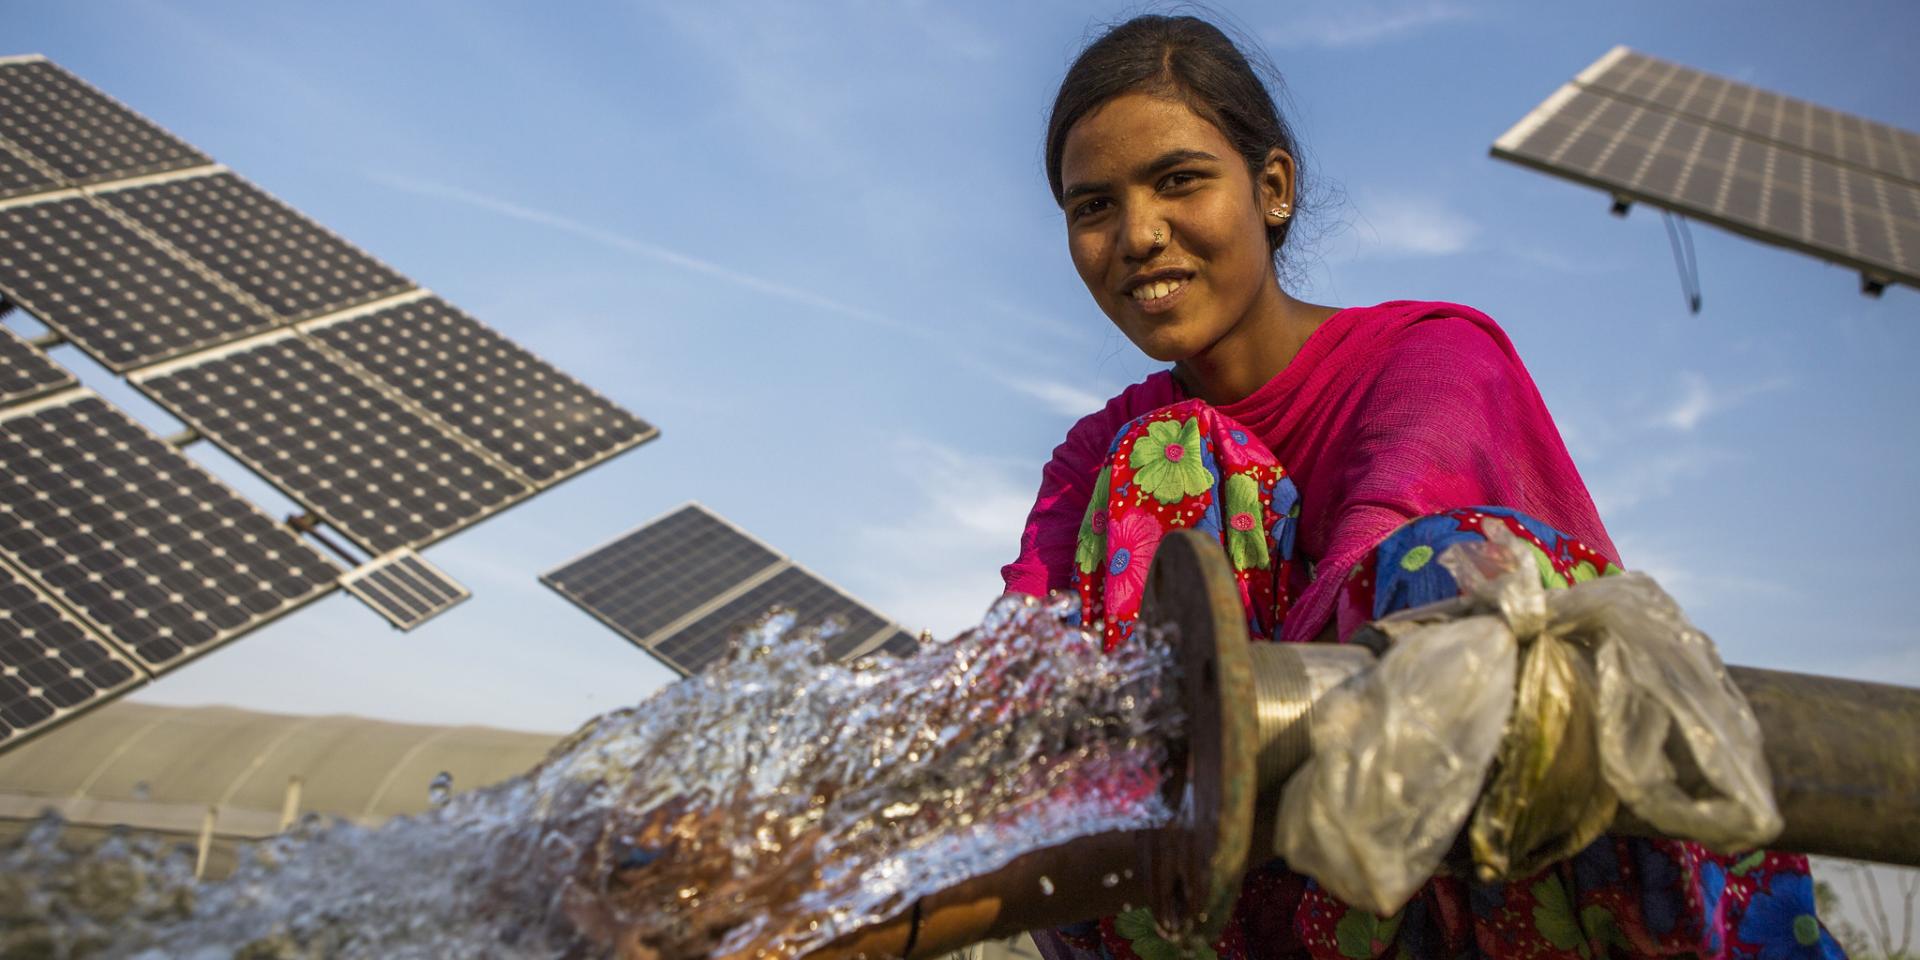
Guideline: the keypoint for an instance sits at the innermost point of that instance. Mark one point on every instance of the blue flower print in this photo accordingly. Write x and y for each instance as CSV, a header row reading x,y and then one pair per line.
x,y
1118,565
1781,922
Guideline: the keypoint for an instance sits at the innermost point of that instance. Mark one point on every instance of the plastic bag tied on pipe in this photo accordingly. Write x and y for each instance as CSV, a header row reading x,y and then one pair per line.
x,y
1573,698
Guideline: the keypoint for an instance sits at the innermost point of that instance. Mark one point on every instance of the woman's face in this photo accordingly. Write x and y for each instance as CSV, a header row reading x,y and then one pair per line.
x,y
1164,223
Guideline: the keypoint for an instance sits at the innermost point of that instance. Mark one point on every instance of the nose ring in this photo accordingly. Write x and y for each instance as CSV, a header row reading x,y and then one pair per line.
x,y
1158,237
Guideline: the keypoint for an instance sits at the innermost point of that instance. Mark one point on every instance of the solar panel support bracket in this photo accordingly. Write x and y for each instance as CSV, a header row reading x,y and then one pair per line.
x,y
309,524
179,441
1621,204
1873,284
52,338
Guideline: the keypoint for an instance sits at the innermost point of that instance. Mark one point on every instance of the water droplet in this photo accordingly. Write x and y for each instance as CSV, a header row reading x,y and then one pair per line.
x,y
1110,880
440,789
1046,886
142,790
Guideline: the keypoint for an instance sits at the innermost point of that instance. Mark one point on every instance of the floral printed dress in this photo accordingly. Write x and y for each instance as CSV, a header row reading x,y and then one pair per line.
x,y
1188,466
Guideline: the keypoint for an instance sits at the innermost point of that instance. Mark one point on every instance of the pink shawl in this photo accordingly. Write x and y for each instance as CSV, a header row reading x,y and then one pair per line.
x,y
1388,413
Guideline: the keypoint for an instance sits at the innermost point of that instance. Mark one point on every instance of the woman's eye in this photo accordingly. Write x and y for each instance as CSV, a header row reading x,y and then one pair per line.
x,y
1178,179
1090,207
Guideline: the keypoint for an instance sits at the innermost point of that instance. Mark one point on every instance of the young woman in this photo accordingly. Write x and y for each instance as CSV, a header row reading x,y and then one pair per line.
x,y
1334,452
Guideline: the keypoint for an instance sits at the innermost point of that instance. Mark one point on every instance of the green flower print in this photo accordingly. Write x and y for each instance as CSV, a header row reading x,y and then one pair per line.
x,y
1144,935
1092,551
1553,916
1166,462
1600,927
1362,936
1246,526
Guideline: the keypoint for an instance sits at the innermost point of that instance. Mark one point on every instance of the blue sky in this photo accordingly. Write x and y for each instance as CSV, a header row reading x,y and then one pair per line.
x,y
814,244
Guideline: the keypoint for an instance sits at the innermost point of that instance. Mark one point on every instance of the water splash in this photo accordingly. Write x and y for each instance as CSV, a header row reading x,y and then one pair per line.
x,y
768,806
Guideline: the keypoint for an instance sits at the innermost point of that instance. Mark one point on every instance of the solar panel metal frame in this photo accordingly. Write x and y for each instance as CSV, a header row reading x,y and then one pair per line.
x,y
361,582
107,193
191,155
137,673
317,327
142,380
221,637
96,347
16,353
781,563
1511,147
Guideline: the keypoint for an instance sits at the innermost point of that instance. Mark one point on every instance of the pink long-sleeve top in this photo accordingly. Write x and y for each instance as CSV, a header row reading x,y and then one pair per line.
x,y
1387,413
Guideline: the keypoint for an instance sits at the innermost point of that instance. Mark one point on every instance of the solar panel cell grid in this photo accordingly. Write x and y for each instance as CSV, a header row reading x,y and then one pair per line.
x,y
294,266
50,664
81,133
18,176
1755,185
371,467
119,296
813,601
405,589
536,418
648,579
25,372
146,544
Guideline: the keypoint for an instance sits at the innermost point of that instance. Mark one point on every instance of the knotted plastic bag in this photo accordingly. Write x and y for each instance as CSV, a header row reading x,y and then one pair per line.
x,y
1575,692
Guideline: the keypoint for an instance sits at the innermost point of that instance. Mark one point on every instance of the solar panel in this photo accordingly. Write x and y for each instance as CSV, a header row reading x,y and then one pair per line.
x,y
813,600
116,294
294,266
681,586
1757,113
140,541
900,644
406,589
80,133
1770,167
542,422
20,175
360,459
51,665
25,372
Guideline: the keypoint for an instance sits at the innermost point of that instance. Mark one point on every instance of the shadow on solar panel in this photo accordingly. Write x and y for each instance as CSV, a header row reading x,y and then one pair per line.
x,y
684,585
1780,170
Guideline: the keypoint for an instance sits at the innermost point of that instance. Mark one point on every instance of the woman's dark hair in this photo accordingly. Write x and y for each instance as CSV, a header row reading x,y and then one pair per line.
x,y
1182,58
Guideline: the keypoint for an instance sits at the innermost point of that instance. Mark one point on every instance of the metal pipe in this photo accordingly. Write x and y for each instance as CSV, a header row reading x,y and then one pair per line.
x,y
1844,754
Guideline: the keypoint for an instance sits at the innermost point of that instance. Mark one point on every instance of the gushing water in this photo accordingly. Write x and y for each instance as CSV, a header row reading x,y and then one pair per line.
x,y
766,807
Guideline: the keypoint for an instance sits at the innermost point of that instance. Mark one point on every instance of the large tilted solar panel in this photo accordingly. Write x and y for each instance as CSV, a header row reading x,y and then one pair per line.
x,y
25,372
78,132
1758,113
405,588
369,465
51,665
84,271
542,422
683,585
1777,170
292,265
138,540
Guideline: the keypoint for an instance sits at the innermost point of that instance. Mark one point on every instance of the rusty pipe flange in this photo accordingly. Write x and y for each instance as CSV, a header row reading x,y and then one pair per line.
x,y
1194,866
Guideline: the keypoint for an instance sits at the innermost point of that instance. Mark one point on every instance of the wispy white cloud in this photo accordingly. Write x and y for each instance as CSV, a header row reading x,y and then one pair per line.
x,y
1627,482
1358,23
942,559
643,248
1061,398
1700,399
1411,225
